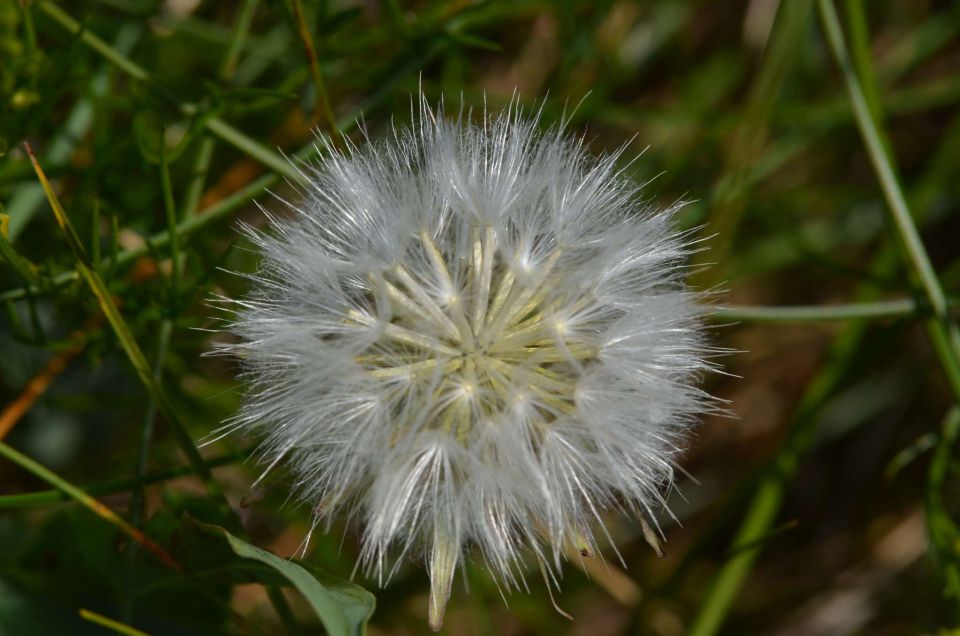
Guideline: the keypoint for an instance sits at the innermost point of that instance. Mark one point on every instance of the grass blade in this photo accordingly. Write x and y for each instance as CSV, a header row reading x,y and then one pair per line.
x,y
125,336
109,623
88,502
215,125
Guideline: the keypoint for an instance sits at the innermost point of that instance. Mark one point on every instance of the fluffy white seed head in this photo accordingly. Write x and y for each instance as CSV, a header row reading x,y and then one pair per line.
x,y
471,336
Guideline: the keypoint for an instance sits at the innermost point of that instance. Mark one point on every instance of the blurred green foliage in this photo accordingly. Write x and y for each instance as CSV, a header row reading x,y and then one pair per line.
x,y
160,122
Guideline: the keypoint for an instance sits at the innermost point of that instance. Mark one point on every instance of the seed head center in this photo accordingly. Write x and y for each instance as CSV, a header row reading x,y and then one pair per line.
x,y
468,339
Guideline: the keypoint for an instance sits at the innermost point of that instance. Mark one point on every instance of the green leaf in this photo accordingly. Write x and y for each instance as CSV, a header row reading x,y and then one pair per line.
x,y
343,607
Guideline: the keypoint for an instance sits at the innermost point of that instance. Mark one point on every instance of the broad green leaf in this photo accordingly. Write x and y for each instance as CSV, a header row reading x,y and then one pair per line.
x,y
343,607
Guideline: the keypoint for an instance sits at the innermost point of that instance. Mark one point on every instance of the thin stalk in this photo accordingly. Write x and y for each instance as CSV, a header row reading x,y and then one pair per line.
x,y
255,149
214,124
109,623
323,107
900,213
942,331
729,195
88,502
769,495
238,38
943,530
900,308
861,56
224,207
114,486
170,210
125,336
137,499
198,179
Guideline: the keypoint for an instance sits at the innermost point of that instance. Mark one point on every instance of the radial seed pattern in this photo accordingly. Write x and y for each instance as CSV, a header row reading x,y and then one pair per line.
x,y
493,346
471,337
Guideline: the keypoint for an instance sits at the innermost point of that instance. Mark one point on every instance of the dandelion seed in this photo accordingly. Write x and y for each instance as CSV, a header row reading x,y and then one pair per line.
x,y
471,336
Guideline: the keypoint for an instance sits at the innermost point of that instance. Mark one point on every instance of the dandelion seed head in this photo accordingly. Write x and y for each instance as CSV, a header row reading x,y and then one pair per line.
x,y
472,336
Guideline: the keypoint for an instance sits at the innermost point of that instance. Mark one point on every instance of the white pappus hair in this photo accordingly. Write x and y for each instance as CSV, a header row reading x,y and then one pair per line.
x,y
471,335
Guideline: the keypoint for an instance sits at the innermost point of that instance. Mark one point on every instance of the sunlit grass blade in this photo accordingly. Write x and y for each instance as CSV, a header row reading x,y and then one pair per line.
x,y
125,336
109,623
764,506
942,330
889,183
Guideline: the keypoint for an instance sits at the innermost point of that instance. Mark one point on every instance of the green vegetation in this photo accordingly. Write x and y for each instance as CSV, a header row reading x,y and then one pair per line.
x,y
817,143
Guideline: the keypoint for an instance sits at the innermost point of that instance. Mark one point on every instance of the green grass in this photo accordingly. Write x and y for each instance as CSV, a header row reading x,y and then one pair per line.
x,y
818,143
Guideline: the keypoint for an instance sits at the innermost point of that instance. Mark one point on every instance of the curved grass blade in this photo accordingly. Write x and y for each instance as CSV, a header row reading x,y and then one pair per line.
x,y
125,336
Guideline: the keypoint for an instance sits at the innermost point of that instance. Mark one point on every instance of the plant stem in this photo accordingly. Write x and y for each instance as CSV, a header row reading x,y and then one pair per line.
x,y
46,497
88,502
125,336
942,331
769,495
237,38
943,530
729,195
900,213
323,107
26,199
214,124
900,308
109,623
170,211
137,499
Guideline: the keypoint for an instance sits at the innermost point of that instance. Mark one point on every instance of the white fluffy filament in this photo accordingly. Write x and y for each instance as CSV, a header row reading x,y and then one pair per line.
x,y
471,335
